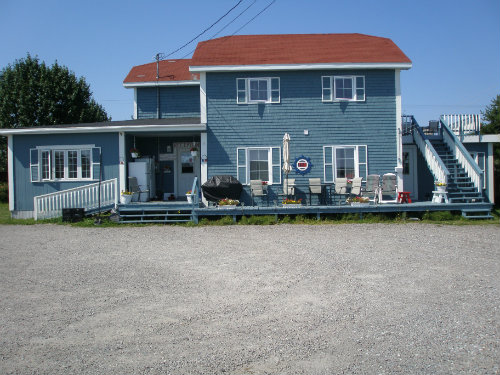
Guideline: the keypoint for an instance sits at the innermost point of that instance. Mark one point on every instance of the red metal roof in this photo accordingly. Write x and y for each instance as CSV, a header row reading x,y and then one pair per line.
x,y
297,49
170,70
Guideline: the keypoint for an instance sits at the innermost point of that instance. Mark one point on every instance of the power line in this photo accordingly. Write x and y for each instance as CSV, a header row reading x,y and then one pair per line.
x,y
162,56
258,14
253,18
229,23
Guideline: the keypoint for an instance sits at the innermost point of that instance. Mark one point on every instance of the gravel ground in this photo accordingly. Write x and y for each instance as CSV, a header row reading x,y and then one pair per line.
x,y
288,299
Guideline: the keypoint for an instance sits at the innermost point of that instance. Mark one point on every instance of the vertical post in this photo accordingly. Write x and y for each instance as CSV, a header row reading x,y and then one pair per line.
x,y
122,160
10,171
399,133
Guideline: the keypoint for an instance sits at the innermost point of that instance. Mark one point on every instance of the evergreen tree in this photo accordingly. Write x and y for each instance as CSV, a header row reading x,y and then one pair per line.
x,y
34,94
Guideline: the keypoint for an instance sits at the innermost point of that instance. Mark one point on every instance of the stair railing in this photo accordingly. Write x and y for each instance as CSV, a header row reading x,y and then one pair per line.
x,y
462,155
195,190
50,205
436,165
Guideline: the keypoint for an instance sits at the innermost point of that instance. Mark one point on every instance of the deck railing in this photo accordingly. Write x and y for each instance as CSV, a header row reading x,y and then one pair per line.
x,y
436,165
195,191
462,155
50,205
463,124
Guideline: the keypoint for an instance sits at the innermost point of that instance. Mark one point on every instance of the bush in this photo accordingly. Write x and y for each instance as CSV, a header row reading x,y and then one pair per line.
x,y
4,192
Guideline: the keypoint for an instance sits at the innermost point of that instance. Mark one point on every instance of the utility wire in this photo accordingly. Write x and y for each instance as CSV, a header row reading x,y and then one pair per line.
x,y
258,14
203,32
229,23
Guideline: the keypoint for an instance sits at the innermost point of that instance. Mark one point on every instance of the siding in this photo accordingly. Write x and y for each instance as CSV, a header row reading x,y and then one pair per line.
x,y
371,123
25,190
179,101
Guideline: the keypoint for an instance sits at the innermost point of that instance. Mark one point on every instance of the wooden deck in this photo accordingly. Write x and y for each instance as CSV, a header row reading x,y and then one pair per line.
x,y
173,209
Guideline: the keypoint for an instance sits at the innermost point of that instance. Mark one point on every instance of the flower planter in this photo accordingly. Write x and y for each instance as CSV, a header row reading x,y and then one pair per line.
x,y
189,198
125,199
359,204
194,154
292,205
441,189
227,206
134,155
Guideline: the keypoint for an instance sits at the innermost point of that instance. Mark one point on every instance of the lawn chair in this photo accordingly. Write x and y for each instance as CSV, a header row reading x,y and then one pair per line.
x,y
257,189
315,188
356,187
372,187
136,191
389,189
341,190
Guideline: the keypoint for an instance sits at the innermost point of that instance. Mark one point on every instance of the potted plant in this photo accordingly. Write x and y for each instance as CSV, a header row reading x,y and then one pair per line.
x,y
440,186
291,203
228,203
194,151
189,196
134,153
125,197
358,201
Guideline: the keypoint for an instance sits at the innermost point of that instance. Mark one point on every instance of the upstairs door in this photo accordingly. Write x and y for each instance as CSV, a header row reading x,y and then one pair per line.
x,y
410,178
188,167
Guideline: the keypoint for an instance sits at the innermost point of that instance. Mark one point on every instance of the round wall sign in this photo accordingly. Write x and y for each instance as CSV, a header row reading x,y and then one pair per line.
x,y
302,165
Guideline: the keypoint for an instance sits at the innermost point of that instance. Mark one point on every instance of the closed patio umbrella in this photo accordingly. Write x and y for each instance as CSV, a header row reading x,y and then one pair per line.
x,y
286,158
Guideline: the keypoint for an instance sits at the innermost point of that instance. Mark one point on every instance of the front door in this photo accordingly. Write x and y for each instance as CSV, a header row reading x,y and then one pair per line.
x,y
187,168
410,178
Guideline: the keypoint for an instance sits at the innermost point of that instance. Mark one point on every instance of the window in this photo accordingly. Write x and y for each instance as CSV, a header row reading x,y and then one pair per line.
x,y
51,163
344,162
343,88
257,90
259,163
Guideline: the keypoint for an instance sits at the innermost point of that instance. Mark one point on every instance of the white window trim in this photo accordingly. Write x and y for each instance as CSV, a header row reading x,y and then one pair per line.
x,y
65,148
246,90
331,163
273,180
332,89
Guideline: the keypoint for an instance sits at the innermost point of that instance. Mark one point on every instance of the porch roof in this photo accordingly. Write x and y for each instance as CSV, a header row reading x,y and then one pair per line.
x,y
143,125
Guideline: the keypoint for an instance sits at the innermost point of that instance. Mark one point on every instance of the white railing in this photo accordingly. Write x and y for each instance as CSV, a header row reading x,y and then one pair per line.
x,y
50,205
462,155
463,124
436,165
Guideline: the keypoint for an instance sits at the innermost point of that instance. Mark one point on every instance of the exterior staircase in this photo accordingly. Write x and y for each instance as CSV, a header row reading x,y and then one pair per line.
x,y
176,212
460,187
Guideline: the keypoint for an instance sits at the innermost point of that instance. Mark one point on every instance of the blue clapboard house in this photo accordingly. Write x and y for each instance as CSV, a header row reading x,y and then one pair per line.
x,y
225,112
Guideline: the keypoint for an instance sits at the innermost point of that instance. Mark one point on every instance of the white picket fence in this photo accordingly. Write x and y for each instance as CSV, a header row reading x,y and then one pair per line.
x,y
463,124
50,205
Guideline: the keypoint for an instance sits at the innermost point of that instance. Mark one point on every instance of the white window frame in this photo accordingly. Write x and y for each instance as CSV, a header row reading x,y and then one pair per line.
x,y
332,164
36,168
274,178
246,90
328,89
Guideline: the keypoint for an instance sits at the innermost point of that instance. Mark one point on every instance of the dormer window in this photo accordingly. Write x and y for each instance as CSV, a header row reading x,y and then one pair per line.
x,y
258,90
343,88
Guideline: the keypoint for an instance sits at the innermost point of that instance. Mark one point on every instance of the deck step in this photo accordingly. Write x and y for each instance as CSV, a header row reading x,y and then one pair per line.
x,y
477,213
145,213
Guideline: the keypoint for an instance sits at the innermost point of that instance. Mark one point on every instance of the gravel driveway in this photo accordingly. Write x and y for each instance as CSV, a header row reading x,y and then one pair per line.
x,y
288,299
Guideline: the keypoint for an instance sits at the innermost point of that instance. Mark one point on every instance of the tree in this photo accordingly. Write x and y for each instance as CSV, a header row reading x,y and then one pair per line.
x,y
34,94
491,117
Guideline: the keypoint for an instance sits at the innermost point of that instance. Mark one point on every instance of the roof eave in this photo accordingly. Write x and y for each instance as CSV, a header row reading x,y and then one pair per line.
x,y
130,85
105,129
316,66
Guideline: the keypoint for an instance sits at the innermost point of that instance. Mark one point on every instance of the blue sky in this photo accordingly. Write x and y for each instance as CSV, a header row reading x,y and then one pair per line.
x,y
454,44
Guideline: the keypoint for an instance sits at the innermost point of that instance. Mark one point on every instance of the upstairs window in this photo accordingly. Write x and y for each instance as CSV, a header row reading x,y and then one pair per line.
x,y
258,90
343,88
